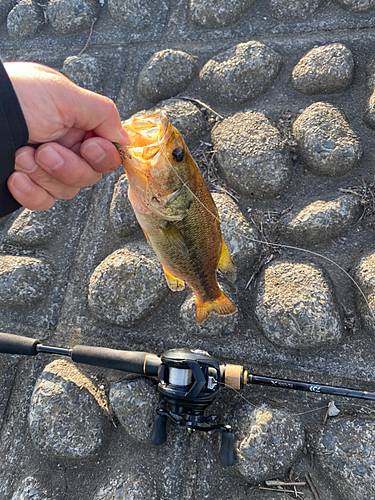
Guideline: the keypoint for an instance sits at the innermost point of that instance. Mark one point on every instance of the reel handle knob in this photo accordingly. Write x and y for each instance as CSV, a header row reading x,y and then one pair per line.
x,y
226,454
159,431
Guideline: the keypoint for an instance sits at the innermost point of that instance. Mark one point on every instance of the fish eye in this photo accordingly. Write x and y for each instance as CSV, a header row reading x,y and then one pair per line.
x,y
178,154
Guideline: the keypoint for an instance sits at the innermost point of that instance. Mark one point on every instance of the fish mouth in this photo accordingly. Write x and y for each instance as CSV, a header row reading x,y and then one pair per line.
x,y
147,134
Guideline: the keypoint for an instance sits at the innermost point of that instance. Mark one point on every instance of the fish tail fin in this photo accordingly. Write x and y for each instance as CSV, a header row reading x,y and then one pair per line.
x,y
223,306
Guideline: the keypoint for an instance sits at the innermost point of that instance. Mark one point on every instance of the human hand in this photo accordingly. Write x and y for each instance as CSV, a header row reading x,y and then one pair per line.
x,y
75,129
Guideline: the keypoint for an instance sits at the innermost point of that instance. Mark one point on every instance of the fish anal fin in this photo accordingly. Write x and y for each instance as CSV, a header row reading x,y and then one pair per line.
x,y
223,306
175,284
225,264
175,238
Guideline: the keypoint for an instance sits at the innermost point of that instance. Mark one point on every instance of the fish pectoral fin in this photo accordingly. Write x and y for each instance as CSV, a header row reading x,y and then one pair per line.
x,y
174,283
147,238
223,306
175,238
225,264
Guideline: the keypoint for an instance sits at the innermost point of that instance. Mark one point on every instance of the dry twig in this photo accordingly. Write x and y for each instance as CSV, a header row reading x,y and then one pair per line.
x,y
283,483
282,490
202,104
313,488
89,38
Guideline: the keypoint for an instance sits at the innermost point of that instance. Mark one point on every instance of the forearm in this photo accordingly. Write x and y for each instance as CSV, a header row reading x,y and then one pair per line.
x,y
13,135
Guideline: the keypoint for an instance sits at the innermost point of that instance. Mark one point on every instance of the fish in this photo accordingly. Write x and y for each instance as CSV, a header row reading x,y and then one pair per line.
x,y
176,211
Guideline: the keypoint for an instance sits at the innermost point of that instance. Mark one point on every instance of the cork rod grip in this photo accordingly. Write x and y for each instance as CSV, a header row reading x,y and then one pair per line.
x,y
234,376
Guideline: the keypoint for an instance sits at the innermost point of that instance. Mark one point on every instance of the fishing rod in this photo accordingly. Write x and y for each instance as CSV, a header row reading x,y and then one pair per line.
x,y
188,379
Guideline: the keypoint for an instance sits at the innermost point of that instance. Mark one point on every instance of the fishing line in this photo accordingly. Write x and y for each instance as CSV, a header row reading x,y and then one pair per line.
x,y
238,393
285,407
341,406
279,245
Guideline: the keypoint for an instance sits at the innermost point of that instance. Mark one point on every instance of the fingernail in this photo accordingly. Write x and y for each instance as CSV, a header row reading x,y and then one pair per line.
x,y
21,182
93,152
125,137
50,158
25,162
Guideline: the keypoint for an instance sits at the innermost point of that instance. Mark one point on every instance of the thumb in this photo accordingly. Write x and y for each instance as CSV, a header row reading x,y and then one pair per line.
x,y
94,112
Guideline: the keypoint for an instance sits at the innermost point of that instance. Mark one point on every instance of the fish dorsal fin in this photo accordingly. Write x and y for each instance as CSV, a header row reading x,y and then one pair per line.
x,y
225,264
175,238
175,284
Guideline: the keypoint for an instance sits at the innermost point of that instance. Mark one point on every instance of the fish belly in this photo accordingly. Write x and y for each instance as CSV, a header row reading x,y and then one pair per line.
x,y
195,263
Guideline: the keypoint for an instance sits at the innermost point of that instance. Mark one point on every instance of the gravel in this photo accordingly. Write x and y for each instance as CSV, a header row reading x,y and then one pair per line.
x,y
296,306
241,74
166,74
65,418
127,286
325,141
251,155
324,70
320,221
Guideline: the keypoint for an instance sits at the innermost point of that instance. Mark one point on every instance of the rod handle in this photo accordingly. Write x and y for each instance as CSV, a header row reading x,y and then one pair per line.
x,y
15,344
142,363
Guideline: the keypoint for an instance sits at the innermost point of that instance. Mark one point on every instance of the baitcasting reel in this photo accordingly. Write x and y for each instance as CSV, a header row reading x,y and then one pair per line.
x,y
188,379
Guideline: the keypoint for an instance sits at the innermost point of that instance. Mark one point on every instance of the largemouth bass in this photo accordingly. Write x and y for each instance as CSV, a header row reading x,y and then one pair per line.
x,y
176,211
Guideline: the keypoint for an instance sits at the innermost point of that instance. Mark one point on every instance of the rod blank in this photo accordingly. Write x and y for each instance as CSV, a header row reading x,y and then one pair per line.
x,y
309,387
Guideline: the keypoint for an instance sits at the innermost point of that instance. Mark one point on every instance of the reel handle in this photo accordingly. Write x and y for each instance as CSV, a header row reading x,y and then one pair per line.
x,y
159,431
226,454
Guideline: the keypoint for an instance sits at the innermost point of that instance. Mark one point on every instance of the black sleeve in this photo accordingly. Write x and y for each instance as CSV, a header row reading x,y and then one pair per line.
x,y
13,135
